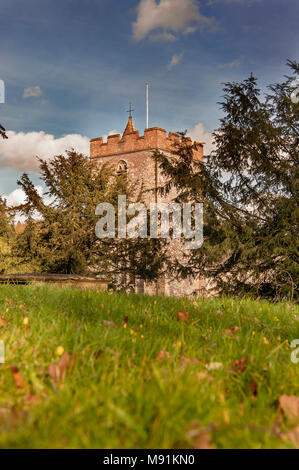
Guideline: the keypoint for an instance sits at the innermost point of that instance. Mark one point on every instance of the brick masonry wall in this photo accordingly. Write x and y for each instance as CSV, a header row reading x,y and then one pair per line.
x,y
153,138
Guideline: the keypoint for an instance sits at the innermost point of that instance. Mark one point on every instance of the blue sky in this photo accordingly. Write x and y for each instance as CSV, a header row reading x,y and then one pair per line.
x,y
71,67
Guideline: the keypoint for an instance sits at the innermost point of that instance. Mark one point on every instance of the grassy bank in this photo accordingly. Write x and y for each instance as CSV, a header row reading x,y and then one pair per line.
x,y
148,380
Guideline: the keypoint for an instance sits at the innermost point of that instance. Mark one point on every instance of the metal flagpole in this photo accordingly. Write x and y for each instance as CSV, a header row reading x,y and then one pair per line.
x,y
146,86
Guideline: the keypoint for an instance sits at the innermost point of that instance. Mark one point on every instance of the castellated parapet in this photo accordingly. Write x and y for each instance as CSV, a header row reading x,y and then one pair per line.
x,y
153,138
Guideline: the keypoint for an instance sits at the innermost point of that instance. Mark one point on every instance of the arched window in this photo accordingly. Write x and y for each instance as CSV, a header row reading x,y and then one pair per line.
x,y
122,167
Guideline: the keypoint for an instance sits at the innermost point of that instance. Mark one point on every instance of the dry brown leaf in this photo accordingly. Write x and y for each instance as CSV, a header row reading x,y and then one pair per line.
x,y
57,372
99,354
163,355
202,375
240,364
218,313
31,398
200,438
17,376
253,387
231,331
2,321
289,405
182,316
125,322
53,372
11,303
291,436
189,360
203,441
64,363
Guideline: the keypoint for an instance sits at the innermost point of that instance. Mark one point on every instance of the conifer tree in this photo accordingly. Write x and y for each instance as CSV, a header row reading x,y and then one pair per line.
x,y
249,187
7,235
2,132
60,228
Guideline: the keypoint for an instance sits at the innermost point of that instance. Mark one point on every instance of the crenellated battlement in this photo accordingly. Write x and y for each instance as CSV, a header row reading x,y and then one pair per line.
x,y
153,138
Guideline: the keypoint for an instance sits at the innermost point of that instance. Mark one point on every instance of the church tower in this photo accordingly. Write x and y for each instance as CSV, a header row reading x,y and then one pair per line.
x,y
132,153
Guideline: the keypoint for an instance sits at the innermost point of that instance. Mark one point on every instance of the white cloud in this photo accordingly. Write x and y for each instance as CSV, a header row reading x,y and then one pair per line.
x,y
113,132
233,63
200,134
18,197
176,59
34,91
190,29
168,15
163,36
19,151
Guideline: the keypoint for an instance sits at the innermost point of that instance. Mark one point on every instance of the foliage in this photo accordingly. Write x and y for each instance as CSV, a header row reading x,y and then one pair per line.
x,y
7,235
63,239
249,187
2,132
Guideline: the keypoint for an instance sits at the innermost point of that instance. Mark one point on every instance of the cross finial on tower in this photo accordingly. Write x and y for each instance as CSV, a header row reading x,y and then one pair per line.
x,y
130,110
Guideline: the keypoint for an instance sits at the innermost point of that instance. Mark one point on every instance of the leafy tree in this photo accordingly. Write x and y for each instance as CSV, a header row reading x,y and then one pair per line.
x,y
249,187
7,235
60,235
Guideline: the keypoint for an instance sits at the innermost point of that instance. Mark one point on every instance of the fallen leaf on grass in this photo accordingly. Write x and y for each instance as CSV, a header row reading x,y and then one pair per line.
x,y
109,323
240,364
200,438
17,376
2,321
203,441
57,372
99,354
163,354
182,316
214,366
125,322
253,387
31,398
218,313
202,375
11,303
231,331
289,405
291,436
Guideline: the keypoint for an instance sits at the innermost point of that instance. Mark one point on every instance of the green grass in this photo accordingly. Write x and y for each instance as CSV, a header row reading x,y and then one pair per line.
x,y
120,394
